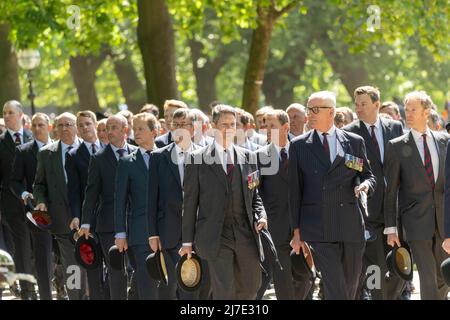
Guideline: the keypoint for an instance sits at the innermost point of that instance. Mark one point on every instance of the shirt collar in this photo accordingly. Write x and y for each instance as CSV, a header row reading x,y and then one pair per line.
x,y
114,148
179,150
278,148
417,135
220,149
143,151
74,144
330,132
11,132
40,144
377,124
88,144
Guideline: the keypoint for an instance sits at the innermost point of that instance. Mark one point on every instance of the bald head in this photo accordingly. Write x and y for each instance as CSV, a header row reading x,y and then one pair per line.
x,y
117,129
13,114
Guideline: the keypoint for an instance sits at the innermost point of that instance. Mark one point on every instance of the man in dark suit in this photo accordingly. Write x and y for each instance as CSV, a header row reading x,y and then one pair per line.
x,y
242,127
414,170
273,163
77,165
167,170
170,106
324,166
50,191
22,178
222,211
132,185
12,209
99,197
376,132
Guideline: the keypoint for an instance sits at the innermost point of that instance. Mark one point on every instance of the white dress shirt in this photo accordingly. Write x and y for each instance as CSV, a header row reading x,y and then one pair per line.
x,y
114,149
12,133
181,157
88,145
278,149
378,134
335,147
221,153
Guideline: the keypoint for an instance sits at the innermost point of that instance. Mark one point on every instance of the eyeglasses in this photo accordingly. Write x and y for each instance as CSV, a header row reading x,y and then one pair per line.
x,y
181,125
315,110
65,125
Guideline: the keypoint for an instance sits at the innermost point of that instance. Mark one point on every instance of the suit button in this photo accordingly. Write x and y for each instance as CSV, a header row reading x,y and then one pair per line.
x,y
341,204
323,188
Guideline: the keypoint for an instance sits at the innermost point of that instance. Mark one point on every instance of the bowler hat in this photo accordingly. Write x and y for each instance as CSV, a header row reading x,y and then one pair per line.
x,y
156,266
189,272
302,264
39,219
87,252
116,258
269,249
445,270
399,261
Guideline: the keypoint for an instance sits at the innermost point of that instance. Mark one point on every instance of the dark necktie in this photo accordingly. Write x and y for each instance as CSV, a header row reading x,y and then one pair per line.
x,y
284,159
93,148
121,153
148,158
230,165
427,161
17,141
375,141
326,147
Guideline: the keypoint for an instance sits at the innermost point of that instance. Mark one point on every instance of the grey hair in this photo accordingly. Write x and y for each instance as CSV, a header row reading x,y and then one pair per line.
x,y
324,95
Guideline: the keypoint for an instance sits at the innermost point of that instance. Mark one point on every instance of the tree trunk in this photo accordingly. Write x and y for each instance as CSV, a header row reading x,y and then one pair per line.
x,y
350,67
83,69
279,82
259,51
9,73
132,88
156,41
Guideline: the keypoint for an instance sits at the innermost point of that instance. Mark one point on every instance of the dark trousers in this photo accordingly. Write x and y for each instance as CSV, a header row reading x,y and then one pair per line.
x,y
235,272
66,250
428,256
375,254
43,260
20,247
147,287
117,278
95,283
340,264
286,288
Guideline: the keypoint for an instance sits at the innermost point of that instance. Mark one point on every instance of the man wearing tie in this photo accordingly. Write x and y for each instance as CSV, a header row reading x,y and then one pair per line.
x,y
22,179
50,191
77,171
132,184
166,196
376,132
99,197
324,166
12,210
414,170
222,211
273,162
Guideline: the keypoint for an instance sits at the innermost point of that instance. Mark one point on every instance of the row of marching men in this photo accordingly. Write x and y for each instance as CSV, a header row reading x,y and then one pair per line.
x,y
124,198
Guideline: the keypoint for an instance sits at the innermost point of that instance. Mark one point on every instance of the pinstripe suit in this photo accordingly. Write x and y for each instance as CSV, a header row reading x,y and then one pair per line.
x,y
323,207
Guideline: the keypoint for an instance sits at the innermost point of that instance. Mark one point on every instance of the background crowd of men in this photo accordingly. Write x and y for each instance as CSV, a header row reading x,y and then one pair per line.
x,y
211,183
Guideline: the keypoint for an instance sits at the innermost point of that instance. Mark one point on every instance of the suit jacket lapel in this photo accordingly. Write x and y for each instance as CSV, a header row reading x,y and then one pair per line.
x,y
27,136
10,142
140,160
56,155
315,145
272,154
441,149
173,166
216,166
35,150
111,156
417,160
345,145
368,138
84,152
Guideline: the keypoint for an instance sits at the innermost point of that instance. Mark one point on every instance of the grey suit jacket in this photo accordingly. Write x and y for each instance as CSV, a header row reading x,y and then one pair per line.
x,y
391,129
205,192
419,206
50,187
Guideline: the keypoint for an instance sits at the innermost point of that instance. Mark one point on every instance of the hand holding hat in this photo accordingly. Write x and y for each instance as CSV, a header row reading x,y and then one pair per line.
x,y
446,245
185,250
296,243
392,240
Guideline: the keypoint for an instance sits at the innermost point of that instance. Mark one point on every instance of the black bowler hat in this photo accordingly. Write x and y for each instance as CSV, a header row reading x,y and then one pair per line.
x,y
87,252
302,264
399,261
156,266
116,258
189,272
445,270
40,219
